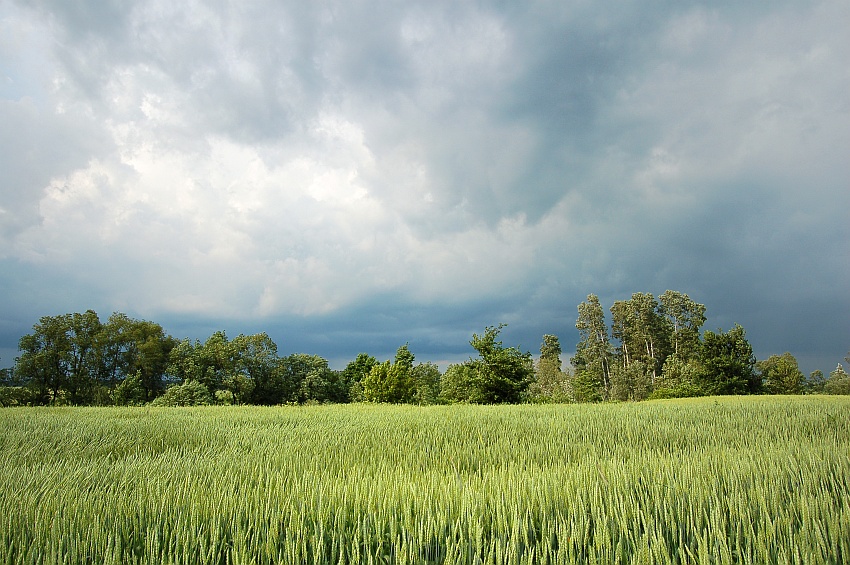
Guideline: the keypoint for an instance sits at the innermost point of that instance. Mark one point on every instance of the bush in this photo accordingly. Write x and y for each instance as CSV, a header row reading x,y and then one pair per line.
x,y
190,393
16,396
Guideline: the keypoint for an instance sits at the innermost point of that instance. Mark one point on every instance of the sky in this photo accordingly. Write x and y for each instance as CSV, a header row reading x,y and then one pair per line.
x,y
350,176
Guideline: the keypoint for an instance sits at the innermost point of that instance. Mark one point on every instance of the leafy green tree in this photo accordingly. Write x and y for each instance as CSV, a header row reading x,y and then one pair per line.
x,y
46,358
643,333
587,385
838,382
354,373
550,350
126,347
550,383
685,318
426,383
594,350
255,364
501,373
391,382
728,363
130,391
631,383
780,374
679,378
815,383
457,384
83,330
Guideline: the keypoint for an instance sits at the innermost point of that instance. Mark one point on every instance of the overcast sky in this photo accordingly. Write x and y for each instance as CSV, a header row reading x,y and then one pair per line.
x,y
349,176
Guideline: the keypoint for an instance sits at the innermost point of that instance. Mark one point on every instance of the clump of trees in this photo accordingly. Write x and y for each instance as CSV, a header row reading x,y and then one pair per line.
x,y
653,348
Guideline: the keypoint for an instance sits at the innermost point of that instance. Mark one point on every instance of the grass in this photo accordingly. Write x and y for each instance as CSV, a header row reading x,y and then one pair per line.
x,y
719,480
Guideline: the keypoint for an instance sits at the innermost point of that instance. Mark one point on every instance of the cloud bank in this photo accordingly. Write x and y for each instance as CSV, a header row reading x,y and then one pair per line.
x,y
349,176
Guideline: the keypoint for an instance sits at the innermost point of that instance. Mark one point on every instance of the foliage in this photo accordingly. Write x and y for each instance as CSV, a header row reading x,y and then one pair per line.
x,y
391,382
838,382
642,331
71,357
426,383
550,383
130,391
456,385
781,375
501,374
679,379
815,383
587,385
354,373
593,351
670,482
190,393
631,383
16,396
684,319
728,365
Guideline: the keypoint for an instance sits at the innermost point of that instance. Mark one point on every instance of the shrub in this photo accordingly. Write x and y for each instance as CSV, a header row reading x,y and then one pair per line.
x,y
190,393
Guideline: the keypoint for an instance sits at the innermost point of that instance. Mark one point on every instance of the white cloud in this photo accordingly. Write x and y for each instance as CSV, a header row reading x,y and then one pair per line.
x,y
288,160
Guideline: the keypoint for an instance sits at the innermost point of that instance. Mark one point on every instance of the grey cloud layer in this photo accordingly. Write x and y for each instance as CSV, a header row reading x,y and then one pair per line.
x,y
427,168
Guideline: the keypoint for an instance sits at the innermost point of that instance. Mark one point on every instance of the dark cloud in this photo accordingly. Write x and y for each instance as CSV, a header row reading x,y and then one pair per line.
x,y
349,176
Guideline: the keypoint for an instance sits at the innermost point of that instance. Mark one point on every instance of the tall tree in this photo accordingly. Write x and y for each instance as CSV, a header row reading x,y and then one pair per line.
x,y
83,330
256,361
550,384
550,350
46,360
685,318
593,351
642,331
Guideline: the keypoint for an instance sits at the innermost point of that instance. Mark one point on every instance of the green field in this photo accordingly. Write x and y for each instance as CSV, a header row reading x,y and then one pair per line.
x,y
717,480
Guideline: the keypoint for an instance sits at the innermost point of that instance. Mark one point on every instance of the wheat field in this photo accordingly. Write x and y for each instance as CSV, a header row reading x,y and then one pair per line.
x,y
712,480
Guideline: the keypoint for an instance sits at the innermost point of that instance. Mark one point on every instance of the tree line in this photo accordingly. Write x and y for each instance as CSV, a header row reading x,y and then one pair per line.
x,y
653,348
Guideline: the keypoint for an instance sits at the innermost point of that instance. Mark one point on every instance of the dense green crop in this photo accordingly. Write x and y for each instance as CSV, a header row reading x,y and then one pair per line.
x,y
726,480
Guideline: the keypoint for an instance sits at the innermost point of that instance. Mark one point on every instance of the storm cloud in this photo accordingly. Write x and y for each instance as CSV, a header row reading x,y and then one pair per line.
x,y
350,176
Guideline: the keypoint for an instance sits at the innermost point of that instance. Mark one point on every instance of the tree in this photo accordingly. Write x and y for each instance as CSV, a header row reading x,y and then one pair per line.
x,y
728,363
643,333
307,378
426,383
83,330
354,373
685,318
391,382
815,383
631,383
780,374
679,378
46,359
550,350
501,373
457,384
129,392
128,347
838,382
255,363
593,351
550,383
